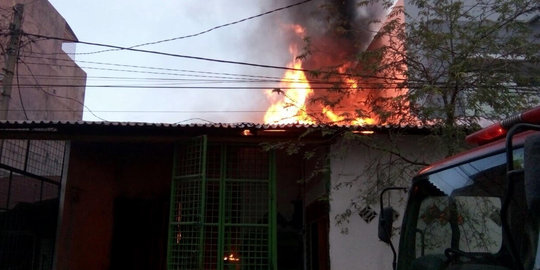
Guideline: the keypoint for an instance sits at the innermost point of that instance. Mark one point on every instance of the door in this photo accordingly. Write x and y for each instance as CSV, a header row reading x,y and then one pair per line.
x,y
222,207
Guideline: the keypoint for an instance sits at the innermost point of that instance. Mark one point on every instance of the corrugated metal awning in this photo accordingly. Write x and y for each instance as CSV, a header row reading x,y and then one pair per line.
x,y
94,130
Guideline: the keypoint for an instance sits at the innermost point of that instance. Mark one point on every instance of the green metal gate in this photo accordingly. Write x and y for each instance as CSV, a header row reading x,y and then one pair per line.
x,y
222,207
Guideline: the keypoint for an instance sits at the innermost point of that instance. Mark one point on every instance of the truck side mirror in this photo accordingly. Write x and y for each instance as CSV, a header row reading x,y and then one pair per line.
x,y
387,216
532,173
386,220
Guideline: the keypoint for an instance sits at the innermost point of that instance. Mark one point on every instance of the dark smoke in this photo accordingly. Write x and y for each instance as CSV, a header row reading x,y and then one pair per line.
x,y
336,32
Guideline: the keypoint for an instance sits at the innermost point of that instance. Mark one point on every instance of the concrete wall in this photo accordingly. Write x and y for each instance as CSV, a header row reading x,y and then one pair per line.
x,y
354,244
43,64
101,174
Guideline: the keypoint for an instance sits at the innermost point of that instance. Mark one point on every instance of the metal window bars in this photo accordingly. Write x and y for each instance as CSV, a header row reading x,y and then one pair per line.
x,y
30,176
222,210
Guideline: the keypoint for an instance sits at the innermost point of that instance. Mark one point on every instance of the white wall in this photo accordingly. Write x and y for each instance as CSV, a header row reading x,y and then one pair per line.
x,y
359,247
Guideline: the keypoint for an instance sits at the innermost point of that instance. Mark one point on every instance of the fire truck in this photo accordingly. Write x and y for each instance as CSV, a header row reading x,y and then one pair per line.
x,y
477,210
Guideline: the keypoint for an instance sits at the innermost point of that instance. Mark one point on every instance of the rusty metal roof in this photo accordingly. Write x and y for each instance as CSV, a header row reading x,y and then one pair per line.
x,y
34,123
74,130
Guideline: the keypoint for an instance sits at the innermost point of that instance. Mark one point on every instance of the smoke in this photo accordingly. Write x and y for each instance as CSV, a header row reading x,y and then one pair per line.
x,y
336,29
335,32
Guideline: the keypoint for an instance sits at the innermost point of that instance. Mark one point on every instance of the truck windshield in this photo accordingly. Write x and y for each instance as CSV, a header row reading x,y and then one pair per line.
x,y
453,217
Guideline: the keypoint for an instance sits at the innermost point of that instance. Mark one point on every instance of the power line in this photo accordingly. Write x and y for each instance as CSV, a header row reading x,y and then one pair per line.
x,y
19,84
221,61
182,81
40,87
169,79
164,53
268,87
209,79
190,119
186,81
134,71
194,87
329,84
233,75
170,111
229,79
360,85
205,31
148,72
155,68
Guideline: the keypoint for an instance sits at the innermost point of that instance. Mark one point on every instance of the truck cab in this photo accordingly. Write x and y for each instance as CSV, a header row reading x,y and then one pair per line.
x,y
475,210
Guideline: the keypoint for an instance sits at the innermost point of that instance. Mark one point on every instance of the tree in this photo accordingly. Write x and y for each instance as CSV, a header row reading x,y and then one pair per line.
x,y
447,64
450,63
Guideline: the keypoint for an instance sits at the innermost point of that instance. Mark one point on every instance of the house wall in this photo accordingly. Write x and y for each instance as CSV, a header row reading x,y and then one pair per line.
x,y
43,64
102,178
354,244
99,229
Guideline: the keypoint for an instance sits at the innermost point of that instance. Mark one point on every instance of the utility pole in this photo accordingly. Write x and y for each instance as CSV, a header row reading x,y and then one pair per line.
x,y
12,53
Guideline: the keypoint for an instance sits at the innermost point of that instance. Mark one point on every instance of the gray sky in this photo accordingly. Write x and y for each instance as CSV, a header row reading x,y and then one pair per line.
x,y
263,40
132,22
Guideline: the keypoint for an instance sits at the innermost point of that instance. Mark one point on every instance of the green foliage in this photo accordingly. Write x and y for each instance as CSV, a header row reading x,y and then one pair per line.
x,y
443,62
446,64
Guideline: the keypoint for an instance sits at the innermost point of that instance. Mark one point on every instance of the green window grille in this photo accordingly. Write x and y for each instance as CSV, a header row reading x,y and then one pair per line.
x,y
222,207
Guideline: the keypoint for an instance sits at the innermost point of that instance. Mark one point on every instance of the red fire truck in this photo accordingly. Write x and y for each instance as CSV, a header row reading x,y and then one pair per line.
x,y
477,210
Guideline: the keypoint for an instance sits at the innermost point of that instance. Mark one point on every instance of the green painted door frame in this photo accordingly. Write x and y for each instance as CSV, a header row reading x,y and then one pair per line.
x,y
223,208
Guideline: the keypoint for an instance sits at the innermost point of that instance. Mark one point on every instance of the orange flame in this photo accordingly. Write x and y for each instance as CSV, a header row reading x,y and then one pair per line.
x,y
340,118
298,30
231,258
289,101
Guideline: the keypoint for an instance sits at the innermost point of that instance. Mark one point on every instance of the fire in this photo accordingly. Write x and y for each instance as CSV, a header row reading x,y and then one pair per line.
x,y
338,118
289,101
298,30
363,121
367,98
231,258
331,115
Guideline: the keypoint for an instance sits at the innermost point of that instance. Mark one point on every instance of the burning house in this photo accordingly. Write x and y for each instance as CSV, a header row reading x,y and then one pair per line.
x,y
85,195
209,196
223,196
213,196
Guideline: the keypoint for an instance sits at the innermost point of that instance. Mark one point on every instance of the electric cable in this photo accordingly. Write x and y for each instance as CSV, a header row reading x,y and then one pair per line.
x,y
200,58
40,87
156,68
277,79
19,84
142,72
229,79
197,118
195,87
205,31
172,111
